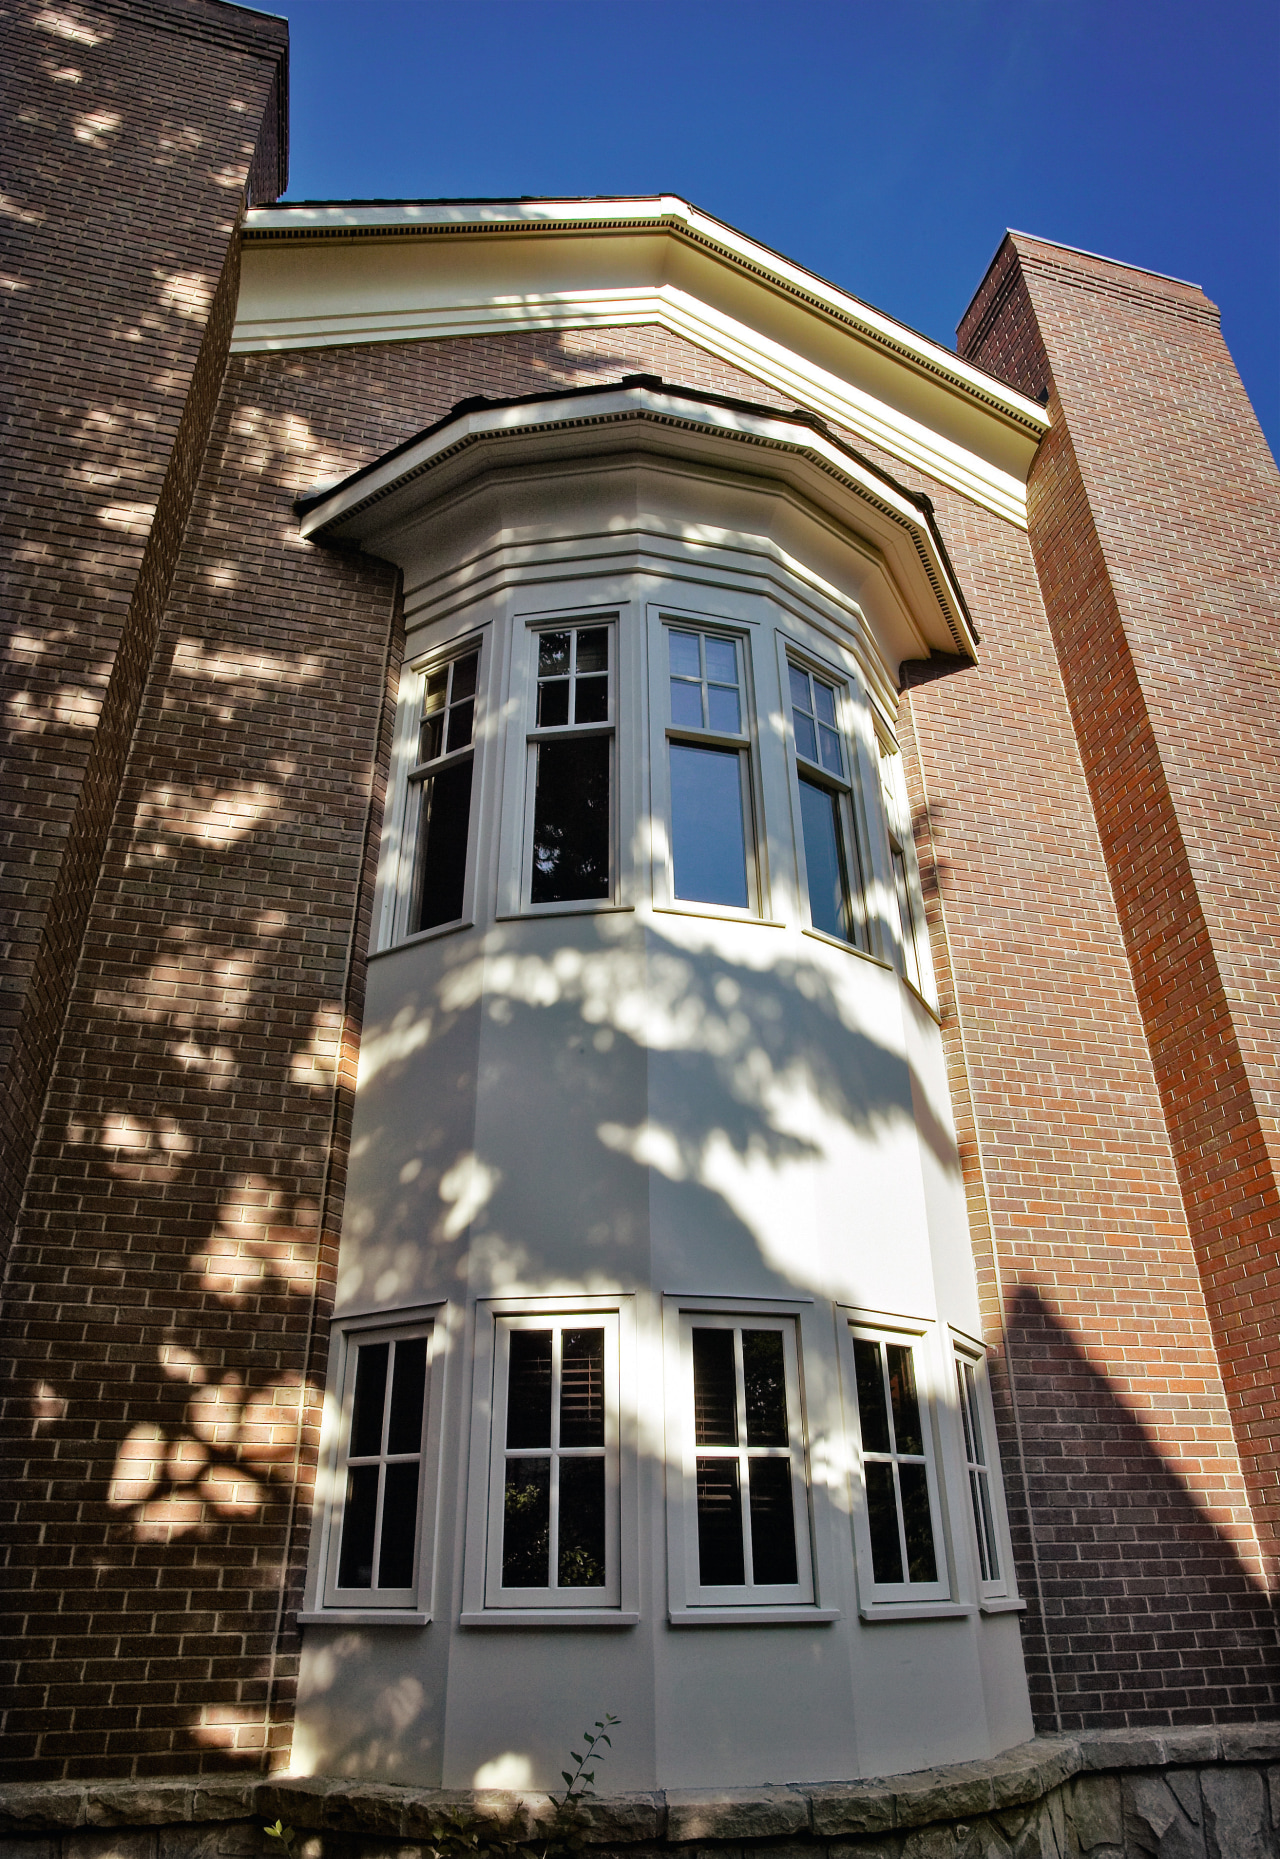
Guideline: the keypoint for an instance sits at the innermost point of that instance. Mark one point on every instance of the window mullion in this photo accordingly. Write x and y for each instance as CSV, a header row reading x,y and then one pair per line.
x,y
553,1467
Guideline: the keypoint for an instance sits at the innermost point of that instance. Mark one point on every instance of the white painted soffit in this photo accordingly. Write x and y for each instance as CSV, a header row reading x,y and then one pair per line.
x,y
342,275
646,415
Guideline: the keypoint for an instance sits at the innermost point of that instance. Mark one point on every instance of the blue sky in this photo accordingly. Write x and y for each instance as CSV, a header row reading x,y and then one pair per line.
x,y
884,146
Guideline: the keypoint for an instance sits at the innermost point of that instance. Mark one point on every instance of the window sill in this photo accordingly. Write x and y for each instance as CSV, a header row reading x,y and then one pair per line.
x,y
364,1617
848,948
798,1616
1004,1604
549,1617
427,935
918,1610
923,999
577,907
720,914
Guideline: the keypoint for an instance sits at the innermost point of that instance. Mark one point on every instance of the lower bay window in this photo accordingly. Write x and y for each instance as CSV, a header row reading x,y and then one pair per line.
x,y
982,1473
897,1526
377,1525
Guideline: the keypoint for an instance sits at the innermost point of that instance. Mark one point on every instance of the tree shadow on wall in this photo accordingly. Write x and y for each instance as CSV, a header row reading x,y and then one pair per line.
x,y
1148,1614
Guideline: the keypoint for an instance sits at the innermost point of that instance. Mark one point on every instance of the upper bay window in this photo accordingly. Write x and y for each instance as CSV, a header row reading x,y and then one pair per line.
x,y
570,754
709,763
828,836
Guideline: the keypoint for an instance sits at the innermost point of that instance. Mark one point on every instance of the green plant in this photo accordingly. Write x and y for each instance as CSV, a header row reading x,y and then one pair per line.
x,y
286,1837
581,1781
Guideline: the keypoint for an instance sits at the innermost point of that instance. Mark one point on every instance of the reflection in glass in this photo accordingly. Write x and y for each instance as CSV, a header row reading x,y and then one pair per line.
x,y
766,1388
715,1389
582,1388
526,1524
824,860
907,1433
571,820
582,1553
708,838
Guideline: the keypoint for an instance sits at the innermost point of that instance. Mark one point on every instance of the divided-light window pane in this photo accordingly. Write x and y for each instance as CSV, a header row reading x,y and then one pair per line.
x,y
895,1465
443,777
745,1443
829,858
975,1453
708,836
378,1532
555,1481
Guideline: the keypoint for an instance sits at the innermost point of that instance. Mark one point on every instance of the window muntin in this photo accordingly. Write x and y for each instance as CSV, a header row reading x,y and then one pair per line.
x,y
709,770
745,1465
982,1490
827,822
553,1494
571,777
901,1547
375,1547
440,792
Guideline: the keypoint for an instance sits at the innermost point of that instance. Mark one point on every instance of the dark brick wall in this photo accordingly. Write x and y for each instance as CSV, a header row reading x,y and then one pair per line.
x,y
1155,538
129,150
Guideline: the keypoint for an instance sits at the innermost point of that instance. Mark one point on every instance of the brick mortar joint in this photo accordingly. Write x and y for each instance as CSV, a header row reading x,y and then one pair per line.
x,y
1020,1776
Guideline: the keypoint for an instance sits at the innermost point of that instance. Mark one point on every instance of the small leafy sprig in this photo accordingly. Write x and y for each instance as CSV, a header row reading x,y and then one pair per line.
x,y
581,1781
286,1836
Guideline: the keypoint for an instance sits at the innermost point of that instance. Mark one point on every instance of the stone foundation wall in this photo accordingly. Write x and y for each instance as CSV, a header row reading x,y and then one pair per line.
x,y
1182,1794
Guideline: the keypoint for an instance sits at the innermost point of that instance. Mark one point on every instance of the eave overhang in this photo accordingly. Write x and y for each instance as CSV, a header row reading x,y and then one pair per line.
x,y
644,415
325,274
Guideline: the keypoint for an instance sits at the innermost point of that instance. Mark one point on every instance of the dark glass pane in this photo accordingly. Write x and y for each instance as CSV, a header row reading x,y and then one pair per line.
x,y
553,655
824,860
982,1521
715,1389
806,740
591,700
408,1389
526,1524
366,1409
972,1451
773,1523
708,840
553,703
593,648
882,1513
464,677
722,710
902,1392
355,1565
571,821
824,703
872,1412
442,847
720,1557
582,1388
684,655
461,719
399,1525
722,661
529,1389
800,699
765,1383
581,1557
686,704
432,743
831,757
917,1522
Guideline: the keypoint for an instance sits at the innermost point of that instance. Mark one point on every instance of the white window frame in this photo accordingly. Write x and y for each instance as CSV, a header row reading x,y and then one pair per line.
x,y
485,1602
913,958
336,1605
400,834
906,1599
665,617
998,1592
689,1603
847,786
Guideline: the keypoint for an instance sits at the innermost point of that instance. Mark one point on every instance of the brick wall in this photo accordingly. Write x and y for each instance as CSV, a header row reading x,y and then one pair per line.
x,y
131,128
1155,538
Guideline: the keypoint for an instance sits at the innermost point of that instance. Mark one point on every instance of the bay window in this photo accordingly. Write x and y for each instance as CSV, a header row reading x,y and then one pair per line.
x,y
899,1541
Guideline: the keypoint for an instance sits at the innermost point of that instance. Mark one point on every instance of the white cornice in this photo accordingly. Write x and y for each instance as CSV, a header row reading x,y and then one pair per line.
x,y
323,276
390,495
